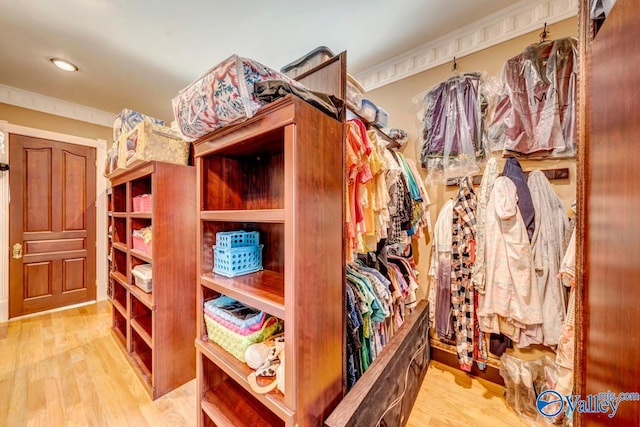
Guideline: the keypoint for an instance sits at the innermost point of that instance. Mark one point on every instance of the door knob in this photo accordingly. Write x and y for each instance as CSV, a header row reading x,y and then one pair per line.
x,y
17,251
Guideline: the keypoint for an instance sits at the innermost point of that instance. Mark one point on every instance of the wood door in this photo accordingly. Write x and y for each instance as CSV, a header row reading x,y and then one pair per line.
x,y
52,215
608,355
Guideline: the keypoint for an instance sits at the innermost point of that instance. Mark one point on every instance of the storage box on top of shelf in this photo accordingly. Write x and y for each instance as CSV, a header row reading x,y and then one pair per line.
x,y
223,96
111,163
368,110
127,119
148,141
382,118
312,59
143,276
355,93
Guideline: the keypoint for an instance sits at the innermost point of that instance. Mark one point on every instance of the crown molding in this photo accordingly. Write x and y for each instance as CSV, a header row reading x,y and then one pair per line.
x,y
511,22
46,104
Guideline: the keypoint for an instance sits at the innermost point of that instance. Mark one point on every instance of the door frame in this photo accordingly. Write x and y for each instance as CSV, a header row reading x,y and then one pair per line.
x,y
101,209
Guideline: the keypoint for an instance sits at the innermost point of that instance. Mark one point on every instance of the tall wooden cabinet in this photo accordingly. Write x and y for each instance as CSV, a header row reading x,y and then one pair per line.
x,y
279,173
608,239
155,329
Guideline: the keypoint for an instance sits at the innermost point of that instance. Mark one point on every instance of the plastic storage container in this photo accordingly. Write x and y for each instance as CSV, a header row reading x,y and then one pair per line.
x,y
355,93
232,262
382,117
312,59
368,110
143,275
237,239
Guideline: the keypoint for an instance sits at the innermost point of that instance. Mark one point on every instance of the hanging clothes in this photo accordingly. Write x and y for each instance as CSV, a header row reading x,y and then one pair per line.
x,y
420,218
551,225
386,204
536,110
358,173
380,190
354,346
462,292
424,219
486,185
408,272
566,343
513,171
453,127
440,271
511,303
401,204
375,308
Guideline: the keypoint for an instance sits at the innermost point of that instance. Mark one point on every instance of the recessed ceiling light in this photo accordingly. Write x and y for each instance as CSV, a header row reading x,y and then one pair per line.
x,y
63,65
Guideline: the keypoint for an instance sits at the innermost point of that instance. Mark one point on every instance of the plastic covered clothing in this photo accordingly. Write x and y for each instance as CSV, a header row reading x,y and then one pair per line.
x,y
536,110
453,127
524,381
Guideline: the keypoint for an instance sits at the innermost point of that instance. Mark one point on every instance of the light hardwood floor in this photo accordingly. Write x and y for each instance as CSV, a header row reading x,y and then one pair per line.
x,y
64,369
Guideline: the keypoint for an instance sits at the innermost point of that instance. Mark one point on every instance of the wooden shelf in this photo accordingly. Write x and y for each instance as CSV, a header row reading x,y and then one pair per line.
x,y
142,325
258,215
120,278
117,334
142,371
140,215
140,255
142,296
119,246
279,173
391,143
164,360
119,307
238,372
227,404
263,290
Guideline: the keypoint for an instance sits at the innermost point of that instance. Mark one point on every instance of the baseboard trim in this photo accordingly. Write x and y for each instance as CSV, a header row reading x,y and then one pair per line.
x,y
53,310
491,374
4,311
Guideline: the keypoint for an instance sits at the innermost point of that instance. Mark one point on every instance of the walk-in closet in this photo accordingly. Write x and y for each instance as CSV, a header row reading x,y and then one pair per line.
x,y
364,214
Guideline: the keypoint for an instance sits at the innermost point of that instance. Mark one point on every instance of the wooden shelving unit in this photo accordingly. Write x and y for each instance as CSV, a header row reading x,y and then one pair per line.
x,y
279,173
156,328
109,244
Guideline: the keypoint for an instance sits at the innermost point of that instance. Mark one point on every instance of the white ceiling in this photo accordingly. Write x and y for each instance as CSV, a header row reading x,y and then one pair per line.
x,y
140,53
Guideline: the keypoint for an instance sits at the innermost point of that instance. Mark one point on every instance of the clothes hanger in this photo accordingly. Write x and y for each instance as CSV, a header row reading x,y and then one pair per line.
x,y
544,35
